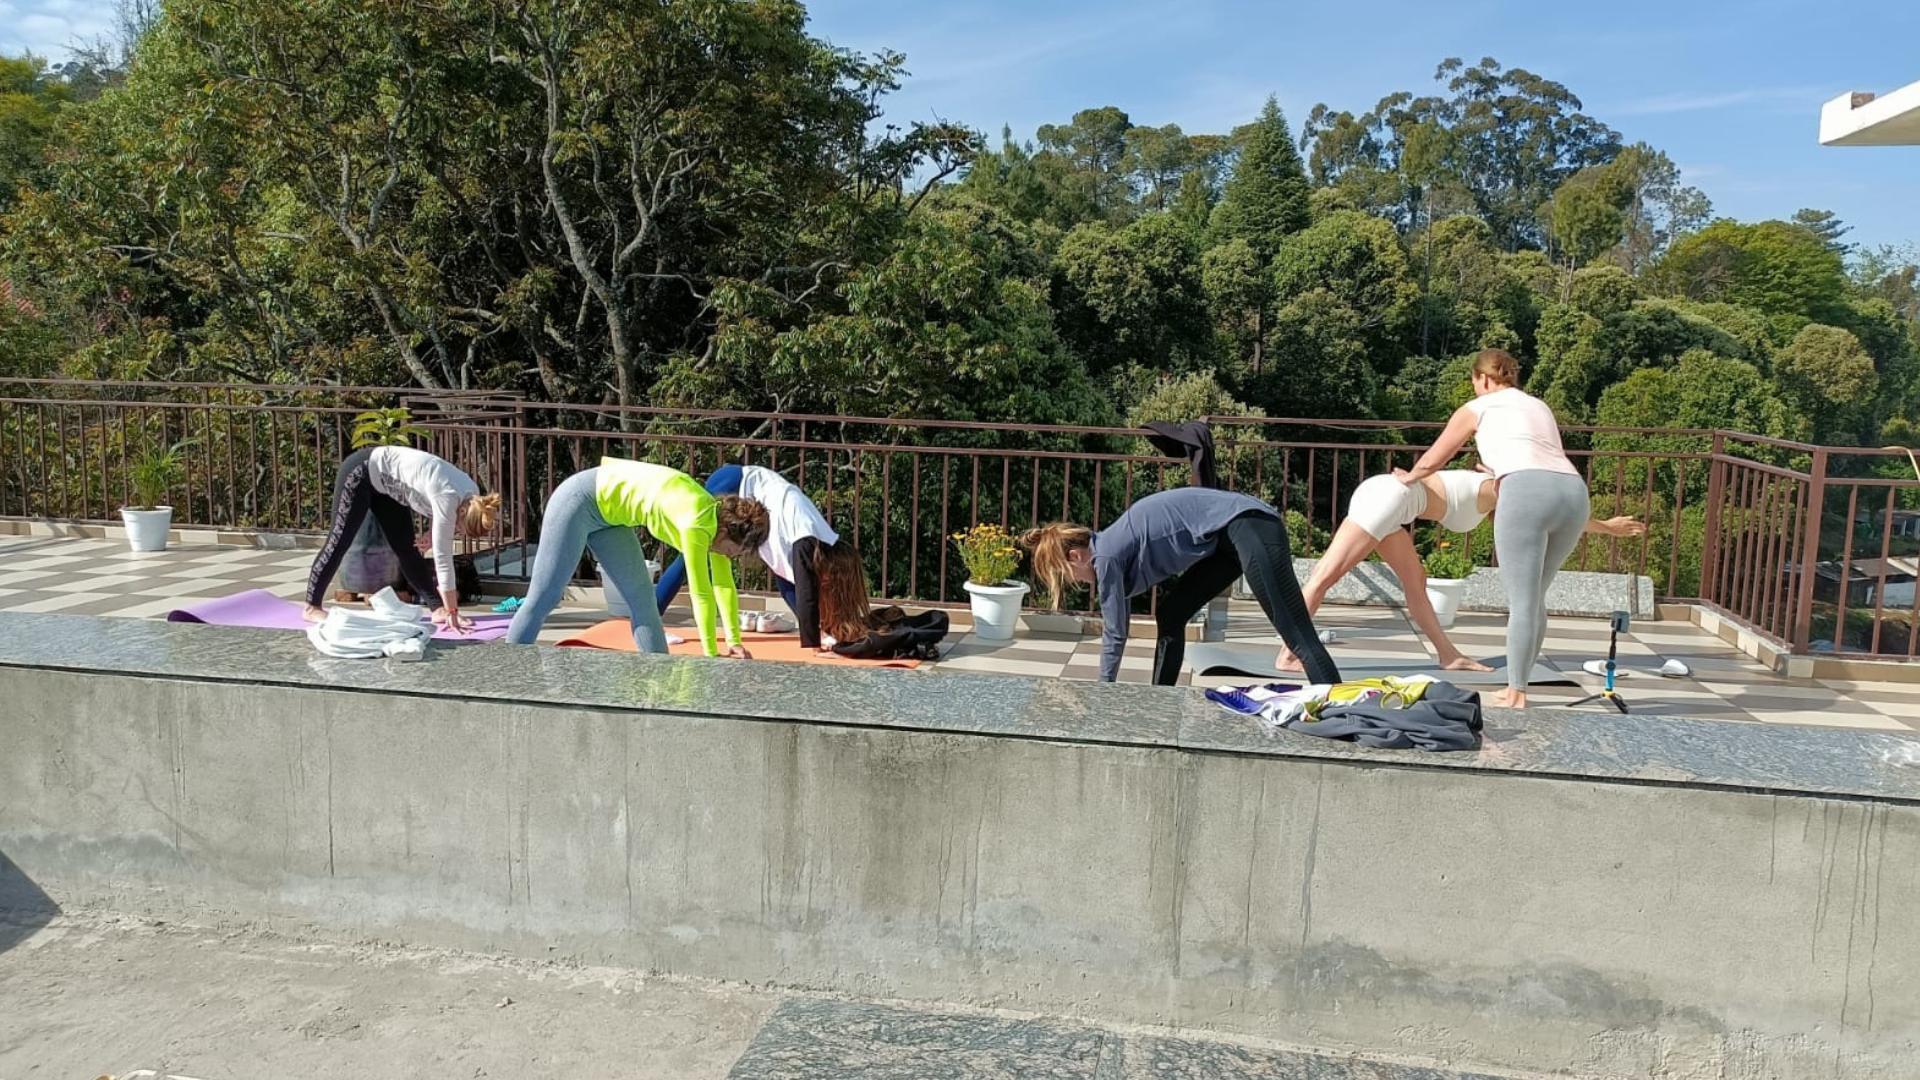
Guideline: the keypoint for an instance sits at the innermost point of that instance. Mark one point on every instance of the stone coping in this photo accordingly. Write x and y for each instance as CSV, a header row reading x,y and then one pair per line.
x,y
1562,743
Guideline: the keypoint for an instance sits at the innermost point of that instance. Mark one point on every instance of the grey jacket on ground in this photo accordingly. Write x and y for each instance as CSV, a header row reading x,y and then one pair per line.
x,y
1445,718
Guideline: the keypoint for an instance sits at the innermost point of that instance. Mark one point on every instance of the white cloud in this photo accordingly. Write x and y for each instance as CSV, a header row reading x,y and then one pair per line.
x,y
50,28
1703,102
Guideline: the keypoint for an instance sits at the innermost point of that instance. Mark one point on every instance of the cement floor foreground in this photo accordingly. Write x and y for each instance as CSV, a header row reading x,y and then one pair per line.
x,y
92,994
100,577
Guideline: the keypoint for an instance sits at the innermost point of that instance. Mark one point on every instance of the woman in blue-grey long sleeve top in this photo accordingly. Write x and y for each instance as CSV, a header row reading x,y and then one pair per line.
x,y
1191,543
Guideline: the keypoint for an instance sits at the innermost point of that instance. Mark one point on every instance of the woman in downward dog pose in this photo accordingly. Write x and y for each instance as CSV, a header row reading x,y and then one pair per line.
x,y
392,483
599,508
1192,543
1544,503
801,551
1379,518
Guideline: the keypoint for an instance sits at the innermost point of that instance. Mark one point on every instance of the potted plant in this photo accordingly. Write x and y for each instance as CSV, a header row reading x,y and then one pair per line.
x,y
153,474
991,558
1447,573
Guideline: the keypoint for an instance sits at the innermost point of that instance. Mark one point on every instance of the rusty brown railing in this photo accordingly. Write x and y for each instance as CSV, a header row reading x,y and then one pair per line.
x,y
1812,548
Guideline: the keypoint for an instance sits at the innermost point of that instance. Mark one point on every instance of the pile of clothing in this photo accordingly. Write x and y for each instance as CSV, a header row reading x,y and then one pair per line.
x,y
387,628
1415,713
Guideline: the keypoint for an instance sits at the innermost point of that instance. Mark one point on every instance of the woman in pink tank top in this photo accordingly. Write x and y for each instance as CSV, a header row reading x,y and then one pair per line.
x,y
1543,507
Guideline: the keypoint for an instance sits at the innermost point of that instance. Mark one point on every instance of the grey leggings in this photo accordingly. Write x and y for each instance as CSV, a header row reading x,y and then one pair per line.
x,y
1537,526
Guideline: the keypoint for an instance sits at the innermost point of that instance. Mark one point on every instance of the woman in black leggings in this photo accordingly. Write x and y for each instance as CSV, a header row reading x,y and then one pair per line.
x,y
1192,543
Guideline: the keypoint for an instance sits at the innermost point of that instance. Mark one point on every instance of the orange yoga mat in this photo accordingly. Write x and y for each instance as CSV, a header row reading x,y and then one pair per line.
x,y
616,635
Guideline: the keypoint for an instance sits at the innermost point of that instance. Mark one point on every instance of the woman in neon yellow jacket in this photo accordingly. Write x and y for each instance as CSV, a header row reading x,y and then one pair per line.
x,y
598,510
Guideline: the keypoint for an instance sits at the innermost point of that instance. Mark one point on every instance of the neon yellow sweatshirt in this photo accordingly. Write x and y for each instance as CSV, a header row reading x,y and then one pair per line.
x,y
674,508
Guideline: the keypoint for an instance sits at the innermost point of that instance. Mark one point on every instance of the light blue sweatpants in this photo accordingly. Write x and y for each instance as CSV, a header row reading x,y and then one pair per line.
x,y
571,525
1536,527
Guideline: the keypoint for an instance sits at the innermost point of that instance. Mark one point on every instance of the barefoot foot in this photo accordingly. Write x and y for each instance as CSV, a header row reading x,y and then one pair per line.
x,y
1463,663
1508,699
1289,663
313,613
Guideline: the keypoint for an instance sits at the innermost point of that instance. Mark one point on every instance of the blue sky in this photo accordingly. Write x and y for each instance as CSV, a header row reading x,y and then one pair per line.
x,y
1730,90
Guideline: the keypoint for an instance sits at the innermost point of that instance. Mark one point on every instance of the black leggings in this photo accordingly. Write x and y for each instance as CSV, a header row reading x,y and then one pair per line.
x,y
353,498
1255,544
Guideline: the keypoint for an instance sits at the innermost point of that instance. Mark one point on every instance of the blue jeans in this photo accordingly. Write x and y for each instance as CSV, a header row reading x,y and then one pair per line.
x,y
724,481
571,526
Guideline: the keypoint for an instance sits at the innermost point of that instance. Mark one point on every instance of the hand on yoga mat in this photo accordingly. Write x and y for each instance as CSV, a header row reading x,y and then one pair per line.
x,y
739,652
452,620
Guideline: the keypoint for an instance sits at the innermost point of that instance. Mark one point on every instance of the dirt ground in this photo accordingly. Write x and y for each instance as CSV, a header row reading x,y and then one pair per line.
x,y
94,994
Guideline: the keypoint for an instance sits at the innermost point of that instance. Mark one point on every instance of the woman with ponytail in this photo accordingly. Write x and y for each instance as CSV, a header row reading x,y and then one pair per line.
x,y
1191,544
598,509
392,483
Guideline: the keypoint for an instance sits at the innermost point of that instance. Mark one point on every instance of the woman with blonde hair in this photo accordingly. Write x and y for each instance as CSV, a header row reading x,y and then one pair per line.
x,y
1544,502
599,508
1380,517
392,483
1192,544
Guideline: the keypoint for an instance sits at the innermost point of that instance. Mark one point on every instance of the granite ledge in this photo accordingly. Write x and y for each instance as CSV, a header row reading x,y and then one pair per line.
x,y
1559,743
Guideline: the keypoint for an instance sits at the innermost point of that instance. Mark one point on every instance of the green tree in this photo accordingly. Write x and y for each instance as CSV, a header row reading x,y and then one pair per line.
x,y
1265,198
1319,361
1356,261
1780,269
1587,215
1093,146
1239,293
1826,225
1517,138
1132,295
1826,373
952,323
30,98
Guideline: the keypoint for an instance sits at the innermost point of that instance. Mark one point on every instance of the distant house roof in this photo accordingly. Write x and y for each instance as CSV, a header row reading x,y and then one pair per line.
x,y
1859,119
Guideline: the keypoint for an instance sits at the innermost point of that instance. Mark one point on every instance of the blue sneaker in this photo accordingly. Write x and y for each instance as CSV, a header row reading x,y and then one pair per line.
x,y
509,605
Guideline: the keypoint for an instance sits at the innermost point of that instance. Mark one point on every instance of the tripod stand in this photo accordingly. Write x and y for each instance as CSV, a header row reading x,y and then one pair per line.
x,y
1609,695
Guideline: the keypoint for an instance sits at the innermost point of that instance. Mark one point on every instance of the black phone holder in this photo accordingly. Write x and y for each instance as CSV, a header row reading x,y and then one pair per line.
x,y
1621,622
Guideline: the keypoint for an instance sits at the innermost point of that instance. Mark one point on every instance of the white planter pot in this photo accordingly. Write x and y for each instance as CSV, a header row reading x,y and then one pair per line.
x,y
617,604
1445,594
996,609
147,529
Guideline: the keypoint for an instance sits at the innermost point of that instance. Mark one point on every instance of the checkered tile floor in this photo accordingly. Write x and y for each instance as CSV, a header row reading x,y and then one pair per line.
x,y
101,577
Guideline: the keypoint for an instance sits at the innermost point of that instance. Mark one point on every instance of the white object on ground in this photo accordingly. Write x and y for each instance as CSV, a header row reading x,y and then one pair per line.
x,y
391,628
1328,637
675,639
773,622
1675,669
1599,667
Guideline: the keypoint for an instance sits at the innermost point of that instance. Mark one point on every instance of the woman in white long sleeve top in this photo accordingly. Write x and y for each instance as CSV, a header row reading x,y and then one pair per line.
x,y
392,483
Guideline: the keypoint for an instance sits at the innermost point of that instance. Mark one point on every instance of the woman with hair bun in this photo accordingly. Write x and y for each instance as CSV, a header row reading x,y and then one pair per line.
x,y
1192,544
598,509
1544,504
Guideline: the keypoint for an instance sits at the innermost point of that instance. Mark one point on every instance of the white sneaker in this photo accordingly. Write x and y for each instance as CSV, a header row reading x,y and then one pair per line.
x,y
675,639
773,622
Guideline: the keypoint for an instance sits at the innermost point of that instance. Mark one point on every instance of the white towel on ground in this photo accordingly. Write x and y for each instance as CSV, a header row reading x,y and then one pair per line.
x,y
391,628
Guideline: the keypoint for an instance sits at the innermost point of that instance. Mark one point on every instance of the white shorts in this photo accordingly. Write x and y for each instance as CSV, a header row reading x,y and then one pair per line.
x,y
1382,504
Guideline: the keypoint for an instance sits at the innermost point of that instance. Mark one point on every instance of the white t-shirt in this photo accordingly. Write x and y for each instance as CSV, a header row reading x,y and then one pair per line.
x,y
1518,432
790,514
429,487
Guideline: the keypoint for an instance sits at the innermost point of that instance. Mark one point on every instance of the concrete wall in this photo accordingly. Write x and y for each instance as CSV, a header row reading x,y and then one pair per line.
x,y
1604,929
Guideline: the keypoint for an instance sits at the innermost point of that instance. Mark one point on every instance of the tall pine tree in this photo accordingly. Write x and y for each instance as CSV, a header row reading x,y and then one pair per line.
x,y
1265,200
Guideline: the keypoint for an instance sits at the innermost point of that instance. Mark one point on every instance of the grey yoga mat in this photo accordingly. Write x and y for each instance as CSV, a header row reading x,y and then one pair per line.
x,y
1246,658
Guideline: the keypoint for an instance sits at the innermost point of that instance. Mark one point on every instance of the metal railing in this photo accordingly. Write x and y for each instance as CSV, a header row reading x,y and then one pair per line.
x,y
1810,547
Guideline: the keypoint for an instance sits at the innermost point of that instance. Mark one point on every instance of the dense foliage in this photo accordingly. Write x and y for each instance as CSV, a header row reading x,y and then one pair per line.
x,y
695,204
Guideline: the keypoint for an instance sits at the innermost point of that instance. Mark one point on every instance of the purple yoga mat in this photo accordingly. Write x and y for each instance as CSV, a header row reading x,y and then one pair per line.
x,y
260,608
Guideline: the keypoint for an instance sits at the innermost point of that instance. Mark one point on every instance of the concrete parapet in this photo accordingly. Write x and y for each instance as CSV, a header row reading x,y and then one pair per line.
x,y
1593,895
